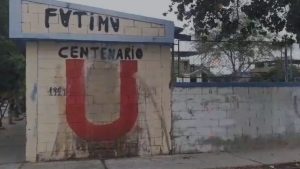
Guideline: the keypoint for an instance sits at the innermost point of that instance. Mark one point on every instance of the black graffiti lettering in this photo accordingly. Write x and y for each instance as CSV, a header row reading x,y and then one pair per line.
x,y
92,20
139,53
127,54
103,22
115,24
103,53
65,17
50,91
74,52
111,54
79,14
49,12
120,54
95,49
61,54
57,91
53,91
84,51
132,53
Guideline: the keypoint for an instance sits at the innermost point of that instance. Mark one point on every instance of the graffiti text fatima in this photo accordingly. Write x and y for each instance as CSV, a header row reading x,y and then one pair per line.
x,y
102,53
103,22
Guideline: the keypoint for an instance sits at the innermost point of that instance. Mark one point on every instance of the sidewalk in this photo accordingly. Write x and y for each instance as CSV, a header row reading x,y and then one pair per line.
x,y
207,161
196,161
12,142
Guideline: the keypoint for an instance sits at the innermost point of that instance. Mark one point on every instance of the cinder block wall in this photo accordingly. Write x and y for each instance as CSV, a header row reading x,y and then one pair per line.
x,y
33,21
60,89
210,119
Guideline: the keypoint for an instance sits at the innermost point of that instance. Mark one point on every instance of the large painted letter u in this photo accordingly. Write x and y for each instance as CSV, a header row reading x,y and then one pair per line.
x,y
76,106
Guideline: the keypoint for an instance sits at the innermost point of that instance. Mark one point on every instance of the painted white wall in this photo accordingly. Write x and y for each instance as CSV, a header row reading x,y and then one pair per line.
x,y
48,135
204,116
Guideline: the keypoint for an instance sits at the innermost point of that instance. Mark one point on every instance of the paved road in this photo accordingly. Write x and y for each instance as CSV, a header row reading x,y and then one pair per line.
x,y
12,143
12,155
211,160
196,161
93,164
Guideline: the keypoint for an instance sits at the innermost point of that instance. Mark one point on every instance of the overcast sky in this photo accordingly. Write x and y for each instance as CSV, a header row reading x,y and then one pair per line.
x,y
150,8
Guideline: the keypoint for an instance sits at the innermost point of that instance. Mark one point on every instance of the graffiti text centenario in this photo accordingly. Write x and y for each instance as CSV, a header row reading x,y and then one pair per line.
x,y
102,53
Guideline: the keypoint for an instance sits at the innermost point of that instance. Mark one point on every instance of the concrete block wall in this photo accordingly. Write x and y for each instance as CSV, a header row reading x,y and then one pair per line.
x,y
51,135
210,119
33,21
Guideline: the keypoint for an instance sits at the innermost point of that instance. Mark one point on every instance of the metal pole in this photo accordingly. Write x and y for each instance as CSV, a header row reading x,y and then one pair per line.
x,y
178,58
286,72
291,63
173,66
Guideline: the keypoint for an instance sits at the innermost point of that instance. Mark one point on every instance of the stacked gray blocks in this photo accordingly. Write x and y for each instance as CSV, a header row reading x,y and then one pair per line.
x,y
207,119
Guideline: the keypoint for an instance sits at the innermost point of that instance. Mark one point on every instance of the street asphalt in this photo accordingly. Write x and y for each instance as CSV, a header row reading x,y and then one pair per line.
x,y
12,156
188,161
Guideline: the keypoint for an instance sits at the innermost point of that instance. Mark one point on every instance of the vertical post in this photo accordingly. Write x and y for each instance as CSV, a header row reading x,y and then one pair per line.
x,y
291,63
286,72
32,101
178,58
173,80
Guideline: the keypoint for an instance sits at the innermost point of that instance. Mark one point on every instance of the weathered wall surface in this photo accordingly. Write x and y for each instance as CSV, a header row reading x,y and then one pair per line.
x,y
208,119
43,18
97,100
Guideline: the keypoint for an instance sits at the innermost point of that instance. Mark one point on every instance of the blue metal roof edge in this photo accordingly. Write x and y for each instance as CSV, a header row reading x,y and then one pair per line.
x,y
16,27
246,84
15,14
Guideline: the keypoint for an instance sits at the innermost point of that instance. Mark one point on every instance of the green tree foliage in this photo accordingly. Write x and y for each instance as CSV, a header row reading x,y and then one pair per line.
x,y
233,57
12,62
216,20
243,17
12,67
276,74
4,18
230,24
276,15
224,32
